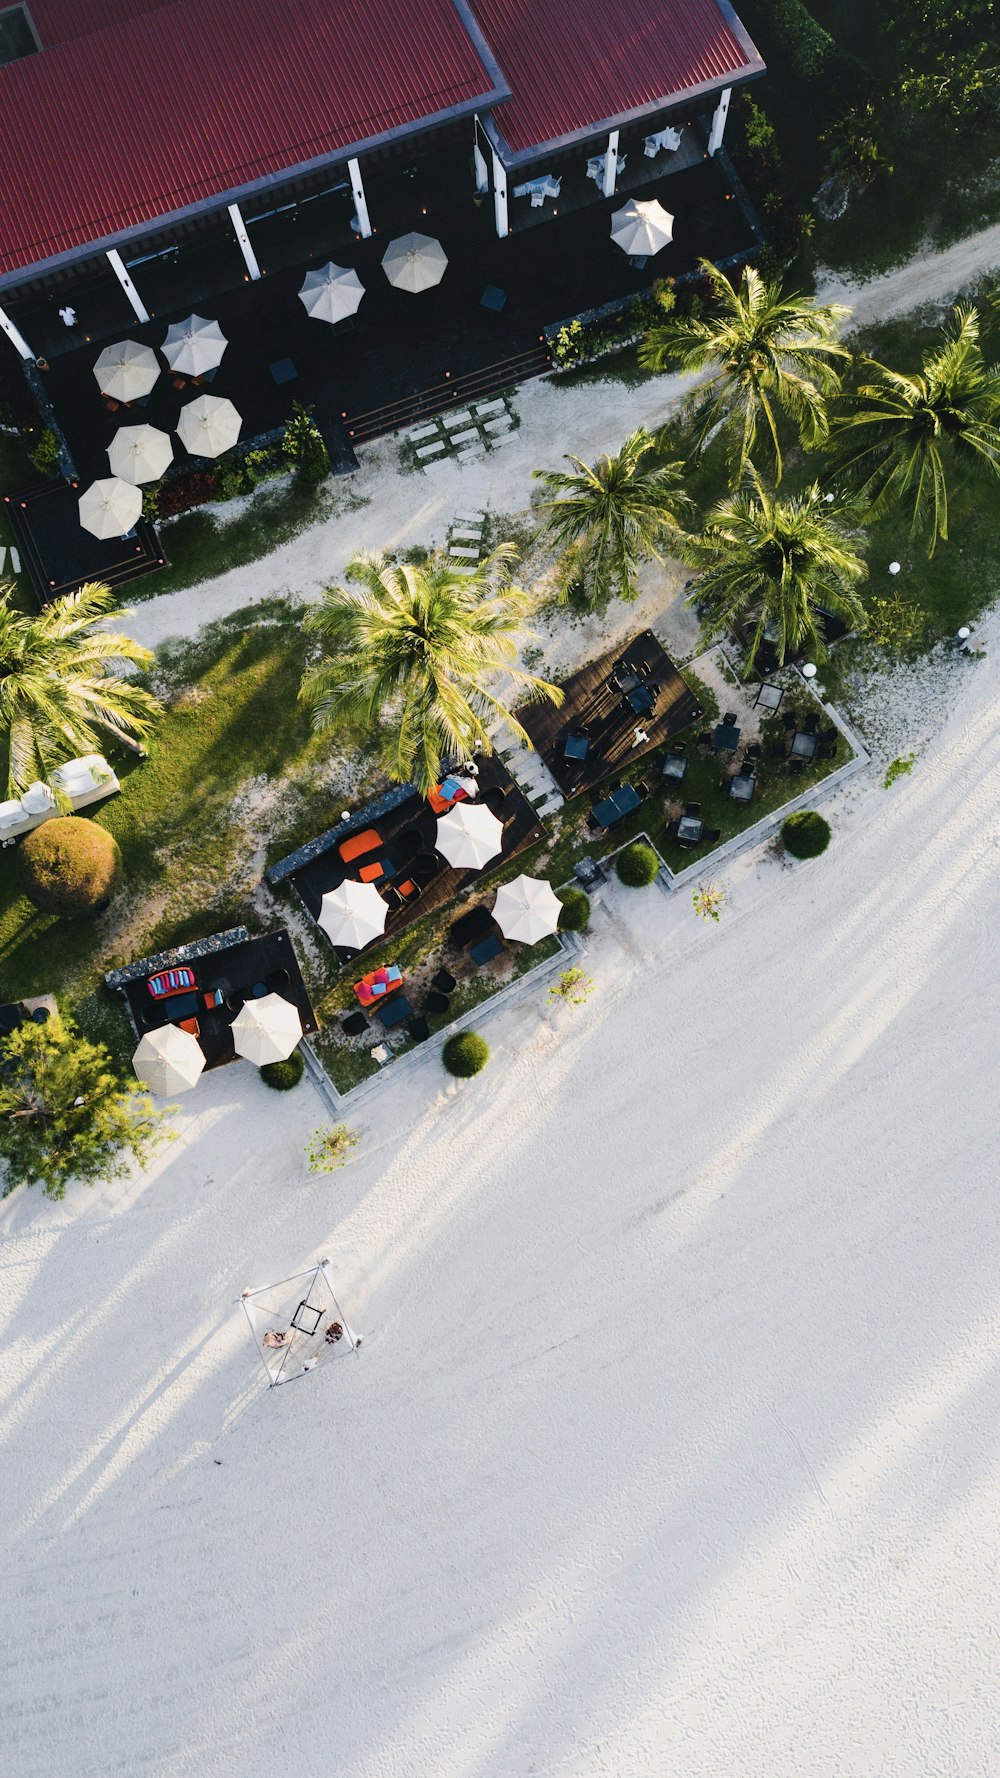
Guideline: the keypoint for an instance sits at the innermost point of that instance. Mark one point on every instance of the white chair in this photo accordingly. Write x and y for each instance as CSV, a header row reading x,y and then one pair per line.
x,y
537,199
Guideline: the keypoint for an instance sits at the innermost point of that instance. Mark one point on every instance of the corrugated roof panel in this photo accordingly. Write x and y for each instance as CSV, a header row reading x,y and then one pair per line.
x,y
183,102
572,64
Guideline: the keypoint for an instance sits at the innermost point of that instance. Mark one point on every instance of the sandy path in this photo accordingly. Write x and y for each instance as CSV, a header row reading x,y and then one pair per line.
x,y
931,280
674,1442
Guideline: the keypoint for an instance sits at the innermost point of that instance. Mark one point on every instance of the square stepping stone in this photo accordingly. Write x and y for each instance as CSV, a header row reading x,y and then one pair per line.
x,y
489,407
421,432
468,437
502,423
461,418
432,450
460,550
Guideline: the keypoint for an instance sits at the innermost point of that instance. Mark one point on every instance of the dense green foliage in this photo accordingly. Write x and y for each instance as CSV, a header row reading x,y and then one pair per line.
x,y
465,1054
637,866
304,448
282,1076
421,648
805,834
68,865
611,518
575,916
64,1113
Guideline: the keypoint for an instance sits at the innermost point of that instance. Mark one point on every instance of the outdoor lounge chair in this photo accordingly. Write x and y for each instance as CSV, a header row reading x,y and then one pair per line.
x,y
169,982
729,720
470,927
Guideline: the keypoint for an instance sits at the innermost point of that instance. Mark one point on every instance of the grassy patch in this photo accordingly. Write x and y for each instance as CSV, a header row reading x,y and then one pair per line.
x,y
200,545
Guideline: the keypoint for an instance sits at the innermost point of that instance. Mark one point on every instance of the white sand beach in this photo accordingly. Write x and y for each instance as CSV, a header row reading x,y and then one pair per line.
x,y
673,1443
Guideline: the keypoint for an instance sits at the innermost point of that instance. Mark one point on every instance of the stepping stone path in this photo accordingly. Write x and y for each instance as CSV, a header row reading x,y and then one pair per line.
x,y
528,770
465,542
465,433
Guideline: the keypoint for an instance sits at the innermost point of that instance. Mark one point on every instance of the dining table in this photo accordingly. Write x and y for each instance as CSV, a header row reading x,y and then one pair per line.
x,y
614,808
690,829
803,745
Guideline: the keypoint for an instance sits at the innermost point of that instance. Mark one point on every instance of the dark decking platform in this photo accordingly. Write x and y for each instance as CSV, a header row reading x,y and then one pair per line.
x,y
317,868
596,704
60,555
232,962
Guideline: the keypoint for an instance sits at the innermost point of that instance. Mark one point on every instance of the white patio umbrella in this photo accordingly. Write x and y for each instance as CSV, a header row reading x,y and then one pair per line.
x,y
642,229
140,453
110,507
266,1030
469,836
208,425
414,262
331,292
527,910
127,371
169,1060
194,346
353,914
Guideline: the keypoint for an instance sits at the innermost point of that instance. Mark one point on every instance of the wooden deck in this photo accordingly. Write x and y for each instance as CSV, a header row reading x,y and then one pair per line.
x,y
594,703
413,817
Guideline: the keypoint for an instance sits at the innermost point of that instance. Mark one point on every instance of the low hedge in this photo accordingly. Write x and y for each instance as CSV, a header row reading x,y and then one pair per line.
x,y
805,834
637,866
69,865
282,1076
465,1054
575,916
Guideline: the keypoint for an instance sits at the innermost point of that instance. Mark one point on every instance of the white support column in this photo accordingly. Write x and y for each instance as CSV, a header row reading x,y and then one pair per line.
x,y
482,170
611,165
240,230
360,201
117,265
15,335
719,116
500,197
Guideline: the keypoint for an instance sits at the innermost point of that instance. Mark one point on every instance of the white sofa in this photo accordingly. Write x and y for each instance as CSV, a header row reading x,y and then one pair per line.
x,y
71,786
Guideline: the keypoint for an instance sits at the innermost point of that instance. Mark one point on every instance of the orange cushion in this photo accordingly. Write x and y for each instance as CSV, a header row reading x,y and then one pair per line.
x,y
191,1025
359,844
370,873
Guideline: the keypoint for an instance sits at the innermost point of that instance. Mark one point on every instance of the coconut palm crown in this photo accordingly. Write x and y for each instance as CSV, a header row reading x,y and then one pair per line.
x,y
422,647
612,517
60,692
781,558
761,354
899,435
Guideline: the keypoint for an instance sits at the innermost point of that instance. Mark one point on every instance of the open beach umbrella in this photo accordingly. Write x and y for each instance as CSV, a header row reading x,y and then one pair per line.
x,y
140,453
414,262
194,346
266,1030
527,910
209,425
469,836
331,292
169,1060
127,371
110,507
642,229
353,914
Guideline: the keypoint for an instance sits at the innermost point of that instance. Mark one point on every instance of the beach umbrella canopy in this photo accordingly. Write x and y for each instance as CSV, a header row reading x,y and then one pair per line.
x,y
194,346
140,453
414,262
469,836
127,371
110,507
266,1030
331,292
208,426
169,1060
353,914
527,910
642,228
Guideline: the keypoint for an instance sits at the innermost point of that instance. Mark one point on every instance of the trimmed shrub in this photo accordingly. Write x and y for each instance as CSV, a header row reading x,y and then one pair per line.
x,y
465,1054
805,834
637,866
282,1076
575,916
69,865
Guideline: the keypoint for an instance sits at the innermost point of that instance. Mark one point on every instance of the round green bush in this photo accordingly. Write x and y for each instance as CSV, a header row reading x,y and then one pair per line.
x,y
465,1054
637,866
69,865
805,834
575,916
282,1076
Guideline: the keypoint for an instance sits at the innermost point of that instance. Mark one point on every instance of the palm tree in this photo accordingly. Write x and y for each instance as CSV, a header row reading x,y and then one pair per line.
x,y
611,518
59,692
426,645
787,556
764,353
899,434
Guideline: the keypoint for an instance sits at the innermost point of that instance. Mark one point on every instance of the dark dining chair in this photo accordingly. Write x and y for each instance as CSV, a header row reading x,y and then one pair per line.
x,y
354,1024
754,751
730,719
435,1002
444,981
418,1029
711,834
693,809
811,724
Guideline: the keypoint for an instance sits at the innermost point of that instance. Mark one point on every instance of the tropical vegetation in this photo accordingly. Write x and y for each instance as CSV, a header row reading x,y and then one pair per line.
x,y
61,693
805,834
610,518
69,865
422,648
464,1054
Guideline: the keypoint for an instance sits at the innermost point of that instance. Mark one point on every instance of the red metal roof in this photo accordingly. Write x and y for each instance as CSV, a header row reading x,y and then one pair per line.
x,y
173,103
574,64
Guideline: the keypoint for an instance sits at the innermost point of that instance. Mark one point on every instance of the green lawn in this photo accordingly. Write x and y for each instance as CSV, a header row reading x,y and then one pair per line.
x,y
202,544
